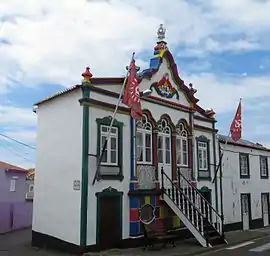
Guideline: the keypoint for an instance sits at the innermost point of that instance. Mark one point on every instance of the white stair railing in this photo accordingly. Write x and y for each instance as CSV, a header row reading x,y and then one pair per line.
x,y
205,208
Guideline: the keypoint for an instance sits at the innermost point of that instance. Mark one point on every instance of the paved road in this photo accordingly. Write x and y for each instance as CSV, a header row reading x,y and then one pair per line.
x,y
258,247
19,244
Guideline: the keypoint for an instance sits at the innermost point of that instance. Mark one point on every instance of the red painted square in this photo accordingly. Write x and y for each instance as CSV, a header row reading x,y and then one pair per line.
x,y
133,215
157,200
159,221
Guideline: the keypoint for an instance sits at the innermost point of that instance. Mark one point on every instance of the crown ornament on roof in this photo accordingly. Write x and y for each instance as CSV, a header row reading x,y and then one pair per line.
x,y
161,33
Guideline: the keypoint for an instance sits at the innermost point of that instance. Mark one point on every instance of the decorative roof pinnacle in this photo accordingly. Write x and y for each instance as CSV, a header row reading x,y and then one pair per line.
x,y
161,33
87,75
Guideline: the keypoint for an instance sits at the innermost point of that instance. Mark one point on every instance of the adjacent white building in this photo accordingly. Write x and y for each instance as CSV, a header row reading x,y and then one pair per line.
x,y
246,184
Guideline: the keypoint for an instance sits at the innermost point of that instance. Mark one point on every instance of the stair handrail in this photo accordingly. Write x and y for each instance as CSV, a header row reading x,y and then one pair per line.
x,y
178,188
179,173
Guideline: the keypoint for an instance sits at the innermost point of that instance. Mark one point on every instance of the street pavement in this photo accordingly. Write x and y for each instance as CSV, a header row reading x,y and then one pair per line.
x,y
258,247
239,243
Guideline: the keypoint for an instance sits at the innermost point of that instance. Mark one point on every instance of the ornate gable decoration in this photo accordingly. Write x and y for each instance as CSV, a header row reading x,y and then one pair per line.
x,y
164,88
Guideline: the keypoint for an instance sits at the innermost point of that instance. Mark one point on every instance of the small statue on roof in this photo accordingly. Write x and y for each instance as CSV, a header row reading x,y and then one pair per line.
x,y
210,112
192,90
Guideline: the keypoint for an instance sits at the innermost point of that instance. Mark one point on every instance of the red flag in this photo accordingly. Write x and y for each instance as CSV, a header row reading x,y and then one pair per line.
x,y
132,96
236,126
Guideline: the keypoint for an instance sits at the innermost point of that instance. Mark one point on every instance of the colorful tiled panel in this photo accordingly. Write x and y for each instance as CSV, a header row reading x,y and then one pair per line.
x,y
162,213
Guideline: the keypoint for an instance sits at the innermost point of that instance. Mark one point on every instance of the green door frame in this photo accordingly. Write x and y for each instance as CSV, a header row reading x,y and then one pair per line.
x,y
109,192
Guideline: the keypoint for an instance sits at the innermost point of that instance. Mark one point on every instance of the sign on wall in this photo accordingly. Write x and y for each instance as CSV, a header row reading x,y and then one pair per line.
x,y
76,185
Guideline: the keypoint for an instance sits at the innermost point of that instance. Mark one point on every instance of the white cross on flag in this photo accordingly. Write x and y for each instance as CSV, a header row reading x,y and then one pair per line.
x,y
236,126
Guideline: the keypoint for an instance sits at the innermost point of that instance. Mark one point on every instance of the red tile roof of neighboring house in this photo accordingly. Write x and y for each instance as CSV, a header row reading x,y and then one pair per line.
x,y
30,174
10,167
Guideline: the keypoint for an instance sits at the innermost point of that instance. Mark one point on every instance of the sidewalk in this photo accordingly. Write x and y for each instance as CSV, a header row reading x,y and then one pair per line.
x,y
189,246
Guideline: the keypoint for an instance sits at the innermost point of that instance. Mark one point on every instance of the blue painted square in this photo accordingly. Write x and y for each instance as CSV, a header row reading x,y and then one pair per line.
x,y
134,228
167,223
152,200
133,203
131,186
155,62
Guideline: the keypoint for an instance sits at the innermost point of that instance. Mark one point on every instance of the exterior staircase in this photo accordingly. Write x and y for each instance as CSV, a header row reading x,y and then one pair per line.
x,y
197,214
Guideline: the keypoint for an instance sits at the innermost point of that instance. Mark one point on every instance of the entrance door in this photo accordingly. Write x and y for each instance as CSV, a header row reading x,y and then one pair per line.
x,y
164,157
245,207
109,233
265,209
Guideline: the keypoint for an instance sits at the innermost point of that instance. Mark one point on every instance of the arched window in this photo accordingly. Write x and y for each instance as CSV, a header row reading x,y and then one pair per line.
x,y
164,142
144,141
181,145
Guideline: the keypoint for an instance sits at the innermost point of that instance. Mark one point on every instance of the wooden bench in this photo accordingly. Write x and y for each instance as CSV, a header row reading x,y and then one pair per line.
x,y
155,233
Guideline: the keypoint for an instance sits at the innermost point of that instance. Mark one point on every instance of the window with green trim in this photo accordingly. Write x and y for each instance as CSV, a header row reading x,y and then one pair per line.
x,y
203,158
111,161
110,155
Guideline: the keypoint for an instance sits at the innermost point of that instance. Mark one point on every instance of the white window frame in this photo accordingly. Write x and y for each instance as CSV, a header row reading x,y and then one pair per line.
x,y
164,133
108,148
12,187
264,166
182,135
244,165
203,147
144,133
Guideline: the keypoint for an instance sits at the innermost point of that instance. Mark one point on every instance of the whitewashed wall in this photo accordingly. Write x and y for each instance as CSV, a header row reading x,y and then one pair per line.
x,y
122,186
58,164
233,186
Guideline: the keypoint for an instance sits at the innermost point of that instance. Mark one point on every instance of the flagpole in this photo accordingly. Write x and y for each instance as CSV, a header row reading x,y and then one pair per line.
x,y
223,149
111,124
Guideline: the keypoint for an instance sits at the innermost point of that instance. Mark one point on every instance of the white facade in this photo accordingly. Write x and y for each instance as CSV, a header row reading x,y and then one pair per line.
x,y
156,111
58,164
254,182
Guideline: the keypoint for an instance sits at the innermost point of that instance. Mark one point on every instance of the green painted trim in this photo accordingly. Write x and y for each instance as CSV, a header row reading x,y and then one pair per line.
x,y
152,99
203,139
107,121
84,175
110,192
103,105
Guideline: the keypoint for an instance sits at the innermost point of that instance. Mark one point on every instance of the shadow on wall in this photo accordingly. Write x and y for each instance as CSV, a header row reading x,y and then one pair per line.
x,y
15,216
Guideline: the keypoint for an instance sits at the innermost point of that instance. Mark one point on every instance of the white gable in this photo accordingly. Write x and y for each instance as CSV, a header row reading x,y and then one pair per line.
x,y
163,70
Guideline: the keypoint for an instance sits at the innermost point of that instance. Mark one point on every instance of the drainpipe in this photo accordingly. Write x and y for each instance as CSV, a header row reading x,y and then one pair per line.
x,y
191,141
215,162
221,190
